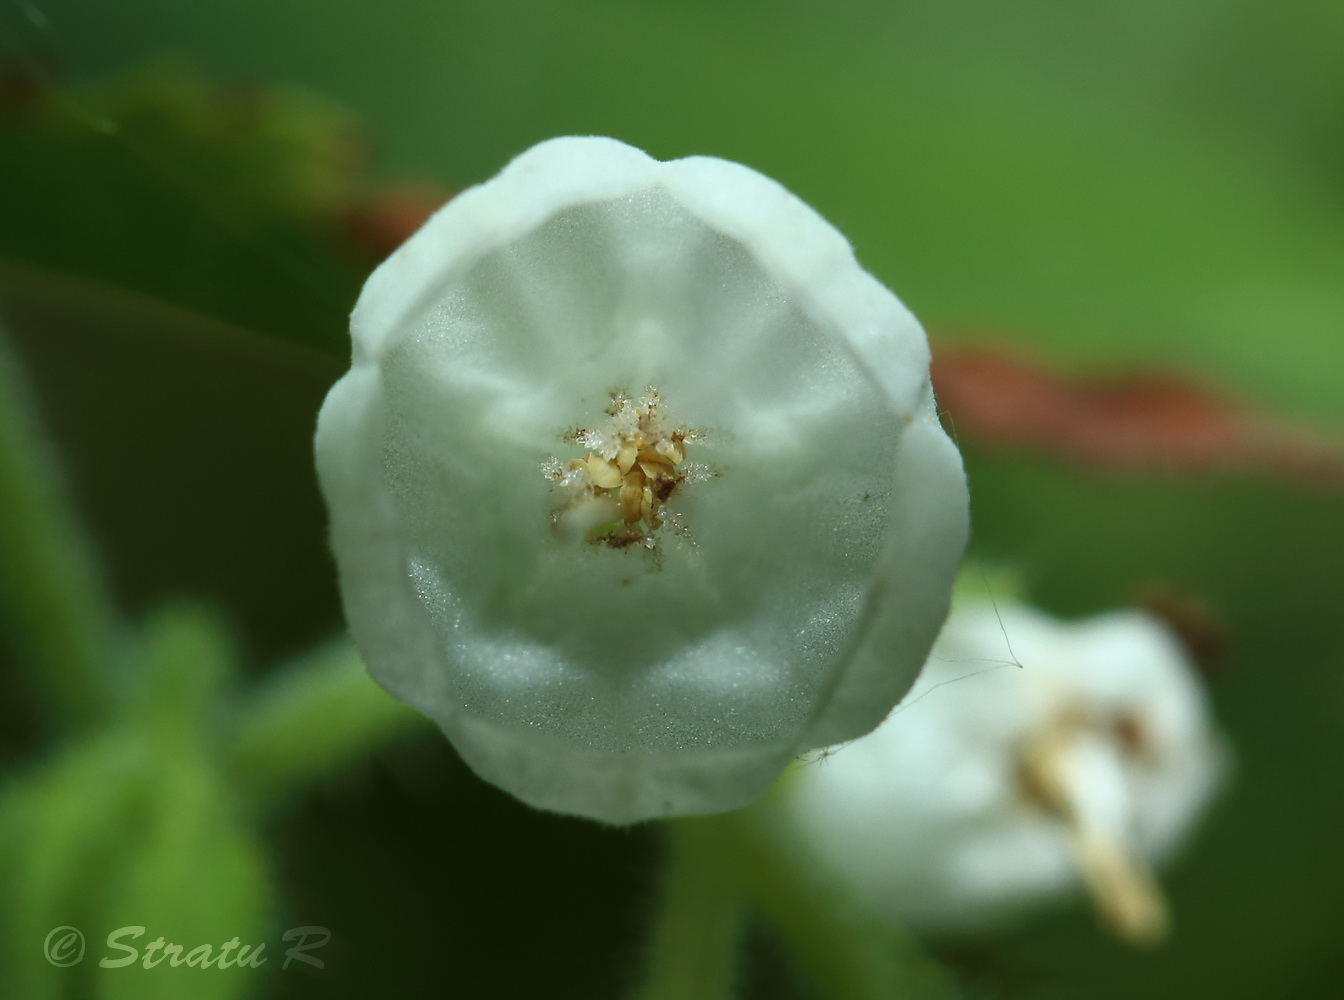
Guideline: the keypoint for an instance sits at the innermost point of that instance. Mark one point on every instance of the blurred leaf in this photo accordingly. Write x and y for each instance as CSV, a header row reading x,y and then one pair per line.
x,y
250,155
133,827
1129,424
188,661
52,588
196,878
63,832
189,446
232,201
388,216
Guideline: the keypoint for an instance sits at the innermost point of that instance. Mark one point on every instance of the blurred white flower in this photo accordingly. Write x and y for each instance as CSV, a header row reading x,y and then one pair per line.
x,y
636,484
994,786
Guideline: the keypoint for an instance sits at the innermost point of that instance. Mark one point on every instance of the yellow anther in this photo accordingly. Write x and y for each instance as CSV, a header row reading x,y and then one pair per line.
x,y
672,449
635,482
626,455
605,474
632,499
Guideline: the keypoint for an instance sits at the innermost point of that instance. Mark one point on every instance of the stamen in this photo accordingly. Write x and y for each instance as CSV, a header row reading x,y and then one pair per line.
x,y
633,468
1122,886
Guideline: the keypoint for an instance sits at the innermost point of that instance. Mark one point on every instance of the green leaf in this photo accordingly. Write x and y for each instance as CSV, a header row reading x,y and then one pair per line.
x,y
63,831
187,663
230,201
197,878
133,827
51,586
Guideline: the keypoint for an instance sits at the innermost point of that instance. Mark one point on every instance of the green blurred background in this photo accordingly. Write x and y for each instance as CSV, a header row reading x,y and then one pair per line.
x,y
1148,183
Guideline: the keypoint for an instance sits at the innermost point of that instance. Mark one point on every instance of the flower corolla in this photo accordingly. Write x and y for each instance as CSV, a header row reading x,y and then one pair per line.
x,y
636,483
1032,755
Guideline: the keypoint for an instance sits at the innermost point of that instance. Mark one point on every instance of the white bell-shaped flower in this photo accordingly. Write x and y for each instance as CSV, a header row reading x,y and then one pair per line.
x,y
994,787
636,484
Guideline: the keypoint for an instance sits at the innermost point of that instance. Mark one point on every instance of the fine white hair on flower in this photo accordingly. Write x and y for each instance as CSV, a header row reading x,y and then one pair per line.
x,y
636,482
1086,759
